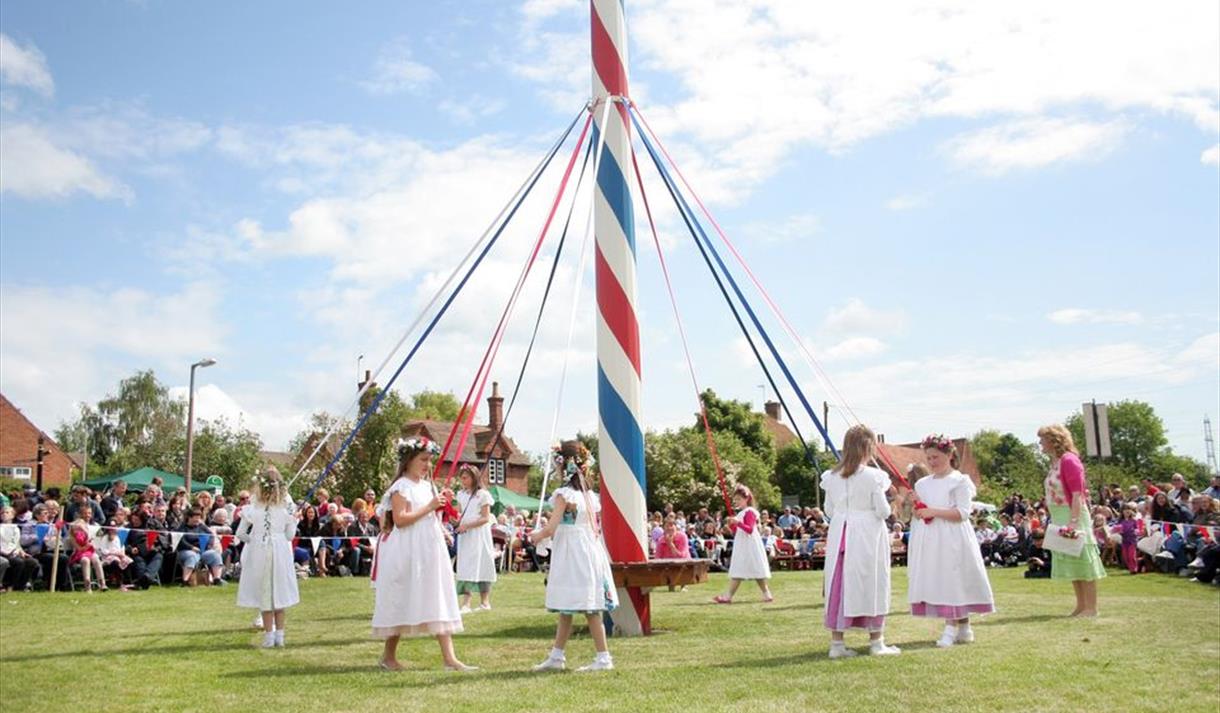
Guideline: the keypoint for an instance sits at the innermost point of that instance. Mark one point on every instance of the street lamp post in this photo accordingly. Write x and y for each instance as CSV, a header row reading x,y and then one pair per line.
x,y
190,422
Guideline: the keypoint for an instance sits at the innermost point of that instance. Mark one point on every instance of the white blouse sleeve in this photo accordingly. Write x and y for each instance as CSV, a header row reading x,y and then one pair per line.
x,y
962,495
828,508
486,500
880,503
246,525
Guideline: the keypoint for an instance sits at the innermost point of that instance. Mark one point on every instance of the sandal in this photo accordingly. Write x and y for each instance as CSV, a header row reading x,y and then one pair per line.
x,y
721,599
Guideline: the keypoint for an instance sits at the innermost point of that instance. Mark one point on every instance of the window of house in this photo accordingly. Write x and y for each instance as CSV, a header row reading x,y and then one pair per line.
x,y
495,471
18,472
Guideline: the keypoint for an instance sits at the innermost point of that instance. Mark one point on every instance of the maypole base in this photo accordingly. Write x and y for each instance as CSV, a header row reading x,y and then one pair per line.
x,y
636,579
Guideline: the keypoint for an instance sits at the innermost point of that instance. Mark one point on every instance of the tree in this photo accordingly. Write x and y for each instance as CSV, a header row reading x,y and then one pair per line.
x,y
738,418
233,453
370,460
433,406
1007,465
681,471
795,475
1136,434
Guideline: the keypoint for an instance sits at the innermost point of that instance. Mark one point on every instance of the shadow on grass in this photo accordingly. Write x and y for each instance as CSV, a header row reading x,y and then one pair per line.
x,y
393,679
533,631
1005,620
226,646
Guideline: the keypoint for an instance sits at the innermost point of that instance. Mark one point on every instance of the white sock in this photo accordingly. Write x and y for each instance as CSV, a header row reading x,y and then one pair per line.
x,y
279,636
602,656
558,655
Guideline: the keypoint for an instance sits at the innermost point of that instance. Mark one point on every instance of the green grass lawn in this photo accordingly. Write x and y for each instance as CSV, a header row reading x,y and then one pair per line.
x,y
1155,646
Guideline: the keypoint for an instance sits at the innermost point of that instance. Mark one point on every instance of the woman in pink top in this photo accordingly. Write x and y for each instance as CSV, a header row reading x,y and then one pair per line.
x,y
1067,498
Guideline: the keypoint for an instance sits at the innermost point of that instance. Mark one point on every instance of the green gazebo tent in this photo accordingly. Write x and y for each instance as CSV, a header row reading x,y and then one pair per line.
x,y
139,479
503,497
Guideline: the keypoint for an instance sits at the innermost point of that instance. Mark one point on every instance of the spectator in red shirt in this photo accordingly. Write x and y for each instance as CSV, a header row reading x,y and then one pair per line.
x,y
672,543
1149,488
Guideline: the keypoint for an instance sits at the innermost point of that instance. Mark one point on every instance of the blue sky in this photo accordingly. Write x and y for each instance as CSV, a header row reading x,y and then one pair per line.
x,y
974,216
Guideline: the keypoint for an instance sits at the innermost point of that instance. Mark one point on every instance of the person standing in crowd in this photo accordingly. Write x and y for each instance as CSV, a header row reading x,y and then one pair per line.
x,y
749,558
858,546
413,577
268,578
580,580
114,500
945,567
1067,498
1128,529
476,556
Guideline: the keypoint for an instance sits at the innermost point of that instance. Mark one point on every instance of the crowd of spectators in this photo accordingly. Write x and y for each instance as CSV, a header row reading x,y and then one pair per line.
x,y
124,539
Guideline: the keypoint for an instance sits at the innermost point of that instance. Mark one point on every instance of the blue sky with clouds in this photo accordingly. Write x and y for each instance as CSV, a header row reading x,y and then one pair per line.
x,y
975,216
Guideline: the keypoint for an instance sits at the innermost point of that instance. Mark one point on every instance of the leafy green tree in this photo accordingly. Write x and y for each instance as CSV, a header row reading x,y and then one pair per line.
x,y
370,459
1007,465
1136,434
738,418
233,453
795,475
681,471
433,406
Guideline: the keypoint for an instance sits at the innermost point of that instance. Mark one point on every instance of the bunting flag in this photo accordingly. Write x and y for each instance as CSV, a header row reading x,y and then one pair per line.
x,y
123,532
174,539
225,541
296,542
353,541
1182,530
1203,532
1167,528
204,540
92,529
41,530
150,539
334,543
314,542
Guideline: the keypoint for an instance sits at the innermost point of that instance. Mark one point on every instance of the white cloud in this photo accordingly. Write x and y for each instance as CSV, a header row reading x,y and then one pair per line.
x,y
33,166
830,75
1034,143
857,318
794,228
395,71
854,348
467,111
25,66
1211,157
1076,315
905,201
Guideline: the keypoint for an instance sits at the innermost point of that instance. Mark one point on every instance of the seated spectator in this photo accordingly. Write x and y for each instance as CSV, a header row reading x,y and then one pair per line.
x,y
673,543
84,553
81,500
195,548
308,527
712,543
205,503
1205,512
1107,545
22,567
1039,563
112,553
790,524
145,550
114,500
335,548
1163,510
897,536
42,547
360,557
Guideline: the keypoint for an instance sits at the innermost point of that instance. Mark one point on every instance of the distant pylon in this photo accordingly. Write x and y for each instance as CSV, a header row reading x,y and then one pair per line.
x,y
1210,442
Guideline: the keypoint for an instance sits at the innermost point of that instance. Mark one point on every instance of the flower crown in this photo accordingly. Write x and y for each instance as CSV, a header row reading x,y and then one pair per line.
x,y
408,446
939,442
265,482
582,456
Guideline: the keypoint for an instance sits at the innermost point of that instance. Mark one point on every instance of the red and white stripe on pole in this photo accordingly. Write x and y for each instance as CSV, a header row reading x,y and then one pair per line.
x,y
621,436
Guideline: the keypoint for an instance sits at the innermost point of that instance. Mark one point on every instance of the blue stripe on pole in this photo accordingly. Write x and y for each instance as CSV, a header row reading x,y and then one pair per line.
x,y
621,426
613,186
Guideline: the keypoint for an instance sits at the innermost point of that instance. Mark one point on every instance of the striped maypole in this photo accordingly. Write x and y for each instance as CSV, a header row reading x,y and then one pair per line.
x,y
621,438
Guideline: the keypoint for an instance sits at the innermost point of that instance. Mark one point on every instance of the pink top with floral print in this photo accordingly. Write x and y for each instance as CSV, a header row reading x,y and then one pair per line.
x,y
1065,479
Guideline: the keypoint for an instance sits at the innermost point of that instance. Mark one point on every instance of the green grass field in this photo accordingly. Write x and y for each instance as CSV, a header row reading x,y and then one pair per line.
x,y
1156,646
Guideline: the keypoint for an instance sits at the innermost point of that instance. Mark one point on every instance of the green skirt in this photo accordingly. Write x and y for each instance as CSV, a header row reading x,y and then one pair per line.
x,y
1087,567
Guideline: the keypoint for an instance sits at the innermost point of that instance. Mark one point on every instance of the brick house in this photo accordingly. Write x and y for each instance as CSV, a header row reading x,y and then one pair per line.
x,y
905,454
506,464
19,446
773,423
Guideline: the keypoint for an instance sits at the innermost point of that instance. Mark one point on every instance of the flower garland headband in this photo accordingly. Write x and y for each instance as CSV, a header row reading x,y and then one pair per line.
x,y
939,442
576,450
409,446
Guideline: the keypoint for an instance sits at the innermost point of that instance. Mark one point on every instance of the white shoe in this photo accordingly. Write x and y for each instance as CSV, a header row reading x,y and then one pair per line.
x,y
552,664
269,640
484,607
461,668
879,648
841,652
464,610
279,637
965,635
599,664
1197,564
947,637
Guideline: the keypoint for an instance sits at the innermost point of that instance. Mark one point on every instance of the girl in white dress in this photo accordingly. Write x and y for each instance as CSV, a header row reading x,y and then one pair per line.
x,y
476,556
857,582
268,578
412,574
749,559
947,577
579,580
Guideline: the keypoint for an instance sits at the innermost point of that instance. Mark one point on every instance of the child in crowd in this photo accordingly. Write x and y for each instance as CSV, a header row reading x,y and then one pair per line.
x,y
412,574
857,586
111,551
580,580
85,554
749,559
1129,529
947,577
476,558
268,578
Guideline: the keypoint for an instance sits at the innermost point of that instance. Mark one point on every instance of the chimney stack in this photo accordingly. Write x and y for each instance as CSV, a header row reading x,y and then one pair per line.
x,y
495,408
772,408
